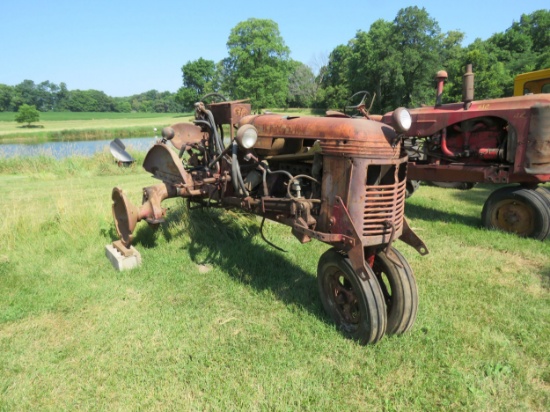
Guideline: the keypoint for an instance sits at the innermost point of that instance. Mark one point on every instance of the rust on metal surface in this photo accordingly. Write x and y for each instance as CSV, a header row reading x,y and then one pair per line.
x,y
337,136
165,165
411,239
118,245
230,112
537,153
187,134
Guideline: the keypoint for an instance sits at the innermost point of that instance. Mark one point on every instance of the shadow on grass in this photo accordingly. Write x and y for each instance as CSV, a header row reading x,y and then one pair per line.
x,y
432,214
30,126
228,240
477,196
230,244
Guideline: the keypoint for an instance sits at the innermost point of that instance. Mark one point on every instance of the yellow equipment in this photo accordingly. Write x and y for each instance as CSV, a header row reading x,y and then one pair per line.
x,y
532,82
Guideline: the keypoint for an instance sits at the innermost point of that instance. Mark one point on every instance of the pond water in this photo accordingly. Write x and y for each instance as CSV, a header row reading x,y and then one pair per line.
x,y
60,150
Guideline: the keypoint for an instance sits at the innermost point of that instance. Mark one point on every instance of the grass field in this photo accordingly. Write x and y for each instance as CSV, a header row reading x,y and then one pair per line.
x,y
64,125
215,319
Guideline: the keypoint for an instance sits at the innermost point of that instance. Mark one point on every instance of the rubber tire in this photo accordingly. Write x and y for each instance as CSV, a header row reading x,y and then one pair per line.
x,y
411,187
371,325
455,185
545,192
532,200
400,292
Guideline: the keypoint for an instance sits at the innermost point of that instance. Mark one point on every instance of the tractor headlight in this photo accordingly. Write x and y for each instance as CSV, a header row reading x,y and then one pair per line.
x,y
247,135
402,120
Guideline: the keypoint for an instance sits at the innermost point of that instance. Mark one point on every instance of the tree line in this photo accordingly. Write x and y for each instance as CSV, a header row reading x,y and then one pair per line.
x,y
47,96
399,60
396,60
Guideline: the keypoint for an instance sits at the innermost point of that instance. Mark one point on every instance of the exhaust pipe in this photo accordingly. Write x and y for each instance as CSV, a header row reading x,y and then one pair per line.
x,y
440,78
468,87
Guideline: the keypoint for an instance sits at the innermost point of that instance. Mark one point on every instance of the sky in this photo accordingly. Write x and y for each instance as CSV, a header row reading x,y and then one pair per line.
x,y
126,47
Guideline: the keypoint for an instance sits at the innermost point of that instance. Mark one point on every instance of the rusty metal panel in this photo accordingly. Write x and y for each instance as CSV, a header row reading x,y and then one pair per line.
x,y
165,165
537,153
230,112
336,181
187,133
376,209
337,136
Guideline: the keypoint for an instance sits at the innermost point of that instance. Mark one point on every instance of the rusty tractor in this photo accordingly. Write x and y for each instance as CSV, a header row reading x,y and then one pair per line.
x,y
337,180
497,141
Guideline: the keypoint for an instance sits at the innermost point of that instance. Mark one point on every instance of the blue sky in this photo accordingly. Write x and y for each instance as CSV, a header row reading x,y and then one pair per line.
x,y
125,47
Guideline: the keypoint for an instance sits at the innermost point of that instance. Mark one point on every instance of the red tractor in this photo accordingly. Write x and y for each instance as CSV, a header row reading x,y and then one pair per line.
x,y
498,141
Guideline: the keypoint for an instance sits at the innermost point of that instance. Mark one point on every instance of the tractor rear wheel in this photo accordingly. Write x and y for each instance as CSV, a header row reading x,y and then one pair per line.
x,y
399,289
518,210
545,192
355,305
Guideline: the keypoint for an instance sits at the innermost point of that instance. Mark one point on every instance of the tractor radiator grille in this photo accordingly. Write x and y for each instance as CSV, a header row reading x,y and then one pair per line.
x,y
385,206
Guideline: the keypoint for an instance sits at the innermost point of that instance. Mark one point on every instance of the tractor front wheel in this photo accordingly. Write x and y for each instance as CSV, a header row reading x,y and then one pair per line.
x,y
354,304
518,210
399,289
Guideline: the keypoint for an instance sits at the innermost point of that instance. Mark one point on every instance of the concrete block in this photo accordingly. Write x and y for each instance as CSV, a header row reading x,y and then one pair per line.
x,y
130,259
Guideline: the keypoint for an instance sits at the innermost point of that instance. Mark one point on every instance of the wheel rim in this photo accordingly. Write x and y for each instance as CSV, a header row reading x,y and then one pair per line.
x,y
381,272
513,216
344,298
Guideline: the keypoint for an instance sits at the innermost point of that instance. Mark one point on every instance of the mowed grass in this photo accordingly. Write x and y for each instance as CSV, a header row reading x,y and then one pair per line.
x,y
54,125
215,319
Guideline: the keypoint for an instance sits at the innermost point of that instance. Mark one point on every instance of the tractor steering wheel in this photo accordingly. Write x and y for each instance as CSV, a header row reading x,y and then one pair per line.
x,y
211,95
361,107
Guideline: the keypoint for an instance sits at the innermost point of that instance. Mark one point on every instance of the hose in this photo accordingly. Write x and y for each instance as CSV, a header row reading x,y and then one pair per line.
x,y
296,178
236,176
218,142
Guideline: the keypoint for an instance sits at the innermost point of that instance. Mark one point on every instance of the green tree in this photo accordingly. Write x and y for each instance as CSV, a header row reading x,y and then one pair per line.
x,y
122,105
27,114
396,60
537,27
6,94
453,61
523,47
89,101
373,66
198,79
257,66
335,80
24,93
417,41
62,97
492,78
146,106
301,85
